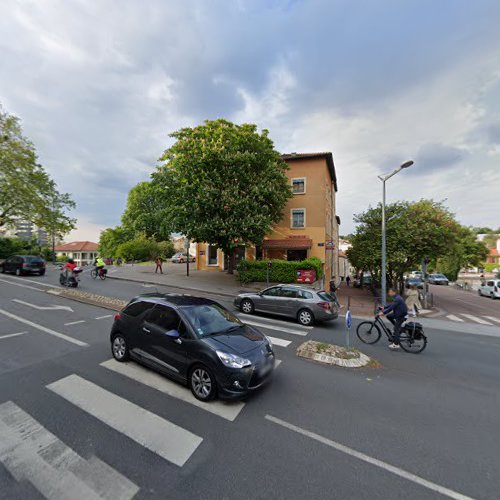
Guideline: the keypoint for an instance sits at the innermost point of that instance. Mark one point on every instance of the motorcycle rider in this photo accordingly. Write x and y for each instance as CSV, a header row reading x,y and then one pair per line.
x,y
70,267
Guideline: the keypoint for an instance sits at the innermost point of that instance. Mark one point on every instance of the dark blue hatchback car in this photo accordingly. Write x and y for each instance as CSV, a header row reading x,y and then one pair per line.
x,y
195,341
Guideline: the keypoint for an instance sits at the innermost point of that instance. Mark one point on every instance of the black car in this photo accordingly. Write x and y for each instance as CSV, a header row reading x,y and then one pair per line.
x,y
24,264
195,341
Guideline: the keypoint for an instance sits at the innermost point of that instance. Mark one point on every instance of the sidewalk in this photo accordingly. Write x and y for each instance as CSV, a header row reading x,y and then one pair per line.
x,y
221,283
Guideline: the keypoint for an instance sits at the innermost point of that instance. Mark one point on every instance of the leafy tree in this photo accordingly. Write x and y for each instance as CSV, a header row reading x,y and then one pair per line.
x,y
145,212
424,229
111,238
166,249
466,251
26,190
490,240
223,184
141,249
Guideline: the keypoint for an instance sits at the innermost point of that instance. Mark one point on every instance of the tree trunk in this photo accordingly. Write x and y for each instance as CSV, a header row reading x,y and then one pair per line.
x,y
232,255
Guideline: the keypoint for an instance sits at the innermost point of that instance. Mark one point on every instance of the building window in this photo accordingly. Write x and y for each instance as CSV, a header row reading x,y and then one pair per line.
x,y
212,255
298,217
299,185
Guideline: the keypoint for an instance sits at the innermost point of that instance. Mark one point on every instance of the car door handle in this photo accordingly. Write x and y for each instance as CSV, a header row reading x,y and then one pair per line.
x,y
146,330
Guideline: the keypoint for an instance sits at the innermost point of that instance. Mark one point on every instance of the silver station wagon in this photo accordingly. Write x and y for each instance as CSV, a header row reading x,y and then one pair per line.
x,y
301,303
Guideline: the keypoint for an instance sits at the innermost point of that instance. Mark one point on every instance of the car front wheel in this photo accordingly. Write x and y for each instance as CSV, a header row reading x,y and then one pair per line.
x,y
119,348
202,383
305,317
18,272
247,306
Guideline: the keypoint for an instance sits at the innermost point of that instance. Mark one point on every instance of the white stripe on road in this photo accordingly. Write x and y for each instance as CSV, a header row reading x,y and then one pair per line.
x,y
74,322
497,320
280,342
136,372
277,363
33,454
278,328
168,440
8,336
30,281
103,317
274,321
43,329
476,319
373,461
23,286
454,318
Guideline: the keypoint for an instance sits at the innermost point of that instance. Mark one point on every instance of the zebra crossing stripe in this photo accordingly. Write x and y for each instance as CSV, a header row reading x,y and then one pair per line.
x,y
497,320
169,441
454,318
32,453
476,319
278,328
136,372
279,342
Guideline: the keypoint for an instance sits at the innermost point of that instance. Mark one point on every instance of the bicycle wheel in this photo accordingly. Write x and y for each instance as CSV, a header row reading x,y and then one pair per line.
x,y
413,343
368,332
102,276
93,274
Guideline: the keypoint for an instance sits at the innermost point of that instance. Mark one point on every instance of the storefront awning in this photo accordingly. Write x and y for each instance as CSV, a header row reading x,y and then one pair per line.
x,y
288,243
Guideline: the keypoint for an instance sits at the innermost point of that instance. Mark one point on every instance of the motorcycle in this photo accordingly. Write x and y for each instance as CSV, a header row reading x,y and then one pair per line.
x,y
70,279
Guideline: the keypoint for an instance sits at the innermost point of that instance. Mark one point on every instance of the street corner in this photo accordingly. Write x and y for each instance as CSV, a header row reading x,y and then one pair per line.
x,y
331,354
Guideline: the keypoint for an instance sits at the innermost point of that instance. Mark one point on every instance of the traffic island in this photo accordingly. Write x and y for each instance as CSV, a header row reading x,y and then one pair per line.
x,y
332,354
89,298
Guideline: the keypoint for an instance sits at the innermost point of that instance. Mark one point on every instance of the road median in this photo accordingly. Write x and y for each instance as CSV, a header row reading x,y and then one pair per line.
x,y
94,299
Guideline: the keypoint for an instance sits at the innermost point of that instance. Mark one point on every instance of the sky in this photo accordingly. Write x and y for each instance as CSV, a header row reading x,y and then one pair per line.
x,y
100,85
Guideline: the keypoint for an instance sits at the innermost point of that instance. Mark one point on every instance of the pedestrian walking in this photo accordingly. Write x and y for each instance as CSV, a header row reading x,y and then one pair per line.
x,y
413,300
348,281
159,263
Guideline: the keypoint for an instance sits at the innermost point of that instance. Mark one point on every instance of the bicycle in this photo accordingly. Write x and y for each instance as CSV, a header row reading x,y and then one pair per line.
x,y
102,273
411,338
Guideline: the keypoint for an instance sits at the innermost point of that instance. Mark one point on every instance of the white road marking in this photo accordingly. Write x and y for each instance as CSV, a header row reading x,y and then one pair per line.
x,y
136,372
8,336
32,453
74,322
103,317
278,328
32,281
373,461
497,320
476,319
44,308
277,363
274,321
23,286
280,342
43,329
454,318
168,440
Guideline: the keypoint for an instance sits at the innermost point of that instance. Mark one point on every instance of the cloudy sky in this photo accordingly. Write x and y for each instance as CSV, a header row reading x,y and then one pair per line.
x,y
100,84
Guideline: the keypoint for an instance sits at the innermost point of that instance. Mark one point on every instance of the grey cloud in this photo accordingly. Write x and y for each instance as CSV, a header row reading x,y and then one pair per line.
x,y
431,157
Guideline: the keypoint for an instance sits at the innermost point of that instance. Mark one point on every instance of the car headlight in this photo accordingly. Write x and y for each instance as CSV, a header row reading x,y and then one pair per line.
x,y
232,360
270,343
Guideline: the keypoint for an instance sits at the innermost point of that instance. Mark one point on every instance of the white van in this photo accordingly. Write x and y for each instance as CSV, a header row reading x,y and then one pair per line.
x,y
490,288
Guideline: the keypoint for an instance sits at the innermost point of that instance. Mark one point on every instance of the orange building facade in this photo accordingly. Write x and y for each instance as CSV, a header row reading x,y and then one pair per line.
x,y
310,225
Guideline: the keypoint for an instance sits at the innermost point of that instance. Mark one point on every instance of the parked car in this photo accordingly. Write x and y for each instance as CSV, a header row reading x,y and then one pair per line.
x,y
416,274
180,258
195,341
301,303
24,264
438,279
490,288
414,282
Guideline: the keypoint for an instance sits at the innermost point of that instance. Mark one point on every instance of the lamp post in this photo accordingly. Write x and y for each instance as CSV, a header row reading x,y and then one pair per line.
x,y
385,178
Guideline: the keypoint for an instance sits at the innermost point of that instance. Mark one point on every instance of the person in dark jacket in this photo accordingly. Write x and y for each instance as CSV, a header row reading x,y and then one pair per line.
x,y
396,312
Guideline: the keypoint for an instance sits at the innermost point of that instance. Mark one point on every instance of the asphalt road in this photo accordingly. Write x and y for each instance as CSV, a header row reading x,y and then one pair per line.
x,y
73,427
465,306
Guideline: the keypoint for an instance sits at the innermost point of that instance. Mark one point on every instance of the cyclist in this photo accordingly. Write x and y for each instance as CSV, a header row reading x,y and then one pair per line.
x,y
396,312
99,265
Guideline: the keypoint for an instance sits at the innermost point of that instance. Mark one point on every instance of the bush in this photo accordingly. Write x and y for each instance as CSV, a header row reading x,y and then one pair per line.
x,y
166,249
138,249
282,271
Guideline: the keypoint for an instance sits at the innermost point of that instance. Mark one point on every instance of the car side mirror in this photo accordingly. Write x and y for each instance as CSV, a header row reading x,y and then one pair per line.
x,y
173,334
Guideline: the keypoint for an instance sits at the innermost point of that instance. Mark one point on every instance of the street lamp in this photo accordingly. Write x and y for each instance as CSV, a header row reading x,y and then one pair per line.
x,y
406,164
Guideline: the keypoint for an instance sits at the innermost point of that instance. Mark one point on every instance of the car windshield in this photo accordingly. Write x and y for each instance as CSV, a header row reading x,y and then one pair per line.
x,y
210,319
440,276
30,260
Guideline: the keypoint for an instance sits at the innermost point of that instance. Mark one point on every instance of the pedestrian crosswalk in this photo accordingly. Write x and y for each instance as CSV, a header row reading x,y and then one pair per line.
x,y
482,320
32,454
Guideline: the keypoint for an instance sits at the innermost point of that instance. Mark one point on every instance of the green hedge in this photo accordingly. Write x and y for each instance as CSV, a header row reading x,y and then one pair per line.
x,y
282,271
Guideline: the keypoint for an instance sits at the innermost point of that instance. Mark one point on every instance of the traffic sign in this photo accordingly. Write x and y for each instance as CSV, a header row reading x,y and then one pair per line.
x,y
348,320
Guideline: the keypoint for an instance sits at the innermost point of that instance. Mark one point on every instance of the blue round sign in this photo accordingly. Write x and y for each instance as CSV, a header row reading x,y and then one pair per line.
x,y
348,319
